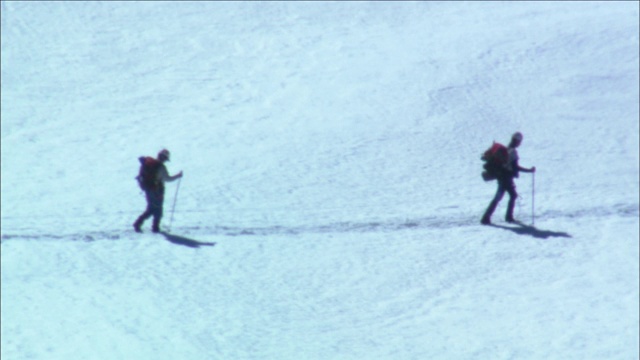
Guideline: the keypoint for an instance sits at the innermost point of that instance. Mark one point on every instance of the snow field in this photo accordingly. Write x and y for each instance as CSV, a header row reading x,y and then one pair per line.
x,y
331,152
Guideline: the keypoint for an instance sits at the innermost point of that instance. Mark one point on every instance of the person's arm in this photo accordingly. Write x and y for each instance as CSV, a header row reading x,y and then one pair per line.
x,y
164,174
531,170
176,176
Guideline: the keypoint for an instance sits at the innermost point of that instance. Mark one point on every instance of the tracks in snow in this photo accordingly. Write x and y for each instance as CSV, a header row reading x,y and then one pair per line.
x,y
354,227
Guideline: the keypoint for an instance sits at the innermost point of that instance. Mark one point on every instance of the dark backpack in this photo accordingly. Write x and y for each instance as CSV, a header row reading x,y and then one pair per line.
x,y
495,160
148,174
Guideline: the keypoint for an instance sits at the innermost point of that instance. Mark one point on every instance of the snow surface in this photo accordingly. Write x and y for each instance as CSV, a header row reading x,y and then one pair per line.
x,y
332,194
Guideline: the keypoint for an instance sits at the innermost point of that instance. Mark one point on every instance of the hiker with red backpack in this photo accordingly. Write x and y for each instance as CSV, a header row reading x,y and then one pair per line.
x,y
153,174
502,164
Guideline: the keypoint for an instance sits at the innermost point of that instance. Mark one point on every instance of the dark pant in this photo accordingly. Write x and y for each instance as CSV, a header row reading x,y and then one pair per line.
x,y
155,199
505,184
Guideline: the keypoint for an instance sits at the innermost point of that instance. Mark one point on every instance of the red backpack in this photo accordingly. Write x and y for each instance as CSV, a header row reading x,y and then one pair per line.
x,y
495,159
148,174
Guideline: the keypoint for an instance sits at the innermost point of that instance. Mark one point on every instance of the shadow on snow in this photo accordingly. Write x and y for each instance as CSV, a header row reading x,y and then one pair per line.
x,y
522,229
181,240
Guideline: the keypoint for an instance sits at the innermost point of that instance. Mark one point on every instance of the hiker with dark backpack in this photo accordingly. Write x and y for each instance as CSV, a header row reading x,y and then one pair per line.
x,y
151,178
501,163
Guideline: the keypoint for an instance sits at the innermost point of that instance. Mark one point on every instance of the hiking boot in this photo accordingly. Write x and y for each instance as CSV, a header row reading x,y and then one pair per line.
x,y
137,226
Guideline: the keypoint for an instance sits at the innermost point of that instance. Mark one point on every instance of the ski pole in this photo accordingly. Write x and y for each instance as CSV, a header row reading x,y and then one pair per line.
x,y
174,202
533,199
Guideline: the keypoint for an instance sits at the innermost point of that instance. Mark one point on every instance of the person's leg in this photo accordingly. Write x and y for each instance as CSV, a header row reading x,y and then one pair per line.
x,y
156,209
486,218
156,223
513,195
145,215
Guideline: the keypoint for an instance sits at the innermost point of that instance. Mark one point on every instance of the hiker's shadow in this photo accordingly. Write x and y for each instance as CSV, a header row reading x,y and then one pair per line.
x,y
523,229
181,240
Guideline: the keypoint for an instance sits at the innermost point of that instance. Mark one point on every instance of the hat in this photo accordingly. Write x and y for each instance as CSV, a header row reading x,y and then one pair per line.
x,y
164,155
517,137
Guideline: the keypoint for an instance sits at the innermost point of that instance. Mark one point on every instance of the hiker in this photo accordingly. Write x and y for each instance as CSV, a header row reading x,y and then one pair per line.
x,y
505,176
152,177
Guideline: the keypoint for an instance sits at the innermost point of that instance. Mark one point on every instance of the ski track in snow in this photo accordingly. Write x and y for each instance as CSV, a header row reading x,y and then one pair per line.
x,y
343,227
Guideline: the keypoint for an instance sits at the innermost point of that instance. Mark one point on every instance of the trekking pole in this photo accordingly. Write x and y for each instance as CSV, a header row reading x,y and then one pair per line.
x,y
174,202
533,199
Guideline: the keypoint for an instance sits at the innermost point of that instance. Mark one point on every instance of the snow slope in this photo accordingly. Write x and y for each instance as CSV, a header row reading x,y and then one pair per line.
x,y
332,194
